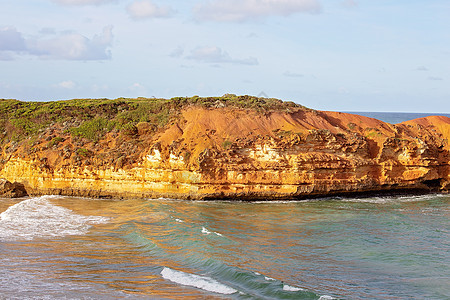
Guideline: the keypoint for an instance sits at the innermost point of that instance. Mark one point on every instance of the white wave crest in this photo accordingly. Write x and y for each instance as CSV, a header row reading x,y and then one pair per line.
x,y
396,199
326,297
37,217
201,282
206,231
291,288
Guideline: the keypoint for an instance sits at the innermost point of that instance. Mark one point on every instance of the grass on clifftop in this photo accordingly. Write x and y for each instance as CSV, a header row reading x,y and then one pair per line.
x,y
91,118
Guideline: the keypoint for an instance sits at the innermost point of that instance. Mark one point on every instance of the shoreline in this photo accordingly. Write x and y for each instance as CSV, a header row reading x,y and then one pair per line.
x,y
399,192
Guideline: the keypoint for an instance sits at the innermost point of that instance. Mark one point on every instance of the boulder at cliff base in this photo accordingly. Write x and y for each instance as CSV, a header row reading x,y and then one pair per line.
x,y
12,190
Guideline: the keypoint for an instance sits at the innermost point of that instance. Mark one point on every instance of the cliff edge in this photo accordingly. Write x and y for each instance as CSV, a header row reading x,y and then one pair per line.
x,y
230,147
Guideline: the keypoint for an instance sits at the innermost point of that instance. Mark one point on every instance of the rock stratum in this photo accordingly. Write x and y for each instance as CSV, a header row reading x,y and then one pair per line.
x,y
230,147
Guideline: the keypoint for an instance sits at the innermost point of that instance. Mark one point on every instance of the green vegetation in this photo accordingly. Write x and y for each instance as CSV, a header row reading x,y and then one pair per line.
x,y
186,156
83,152
226,144
286,133
55,141
93,129
91,119
351,126
372,133
231,100
129,129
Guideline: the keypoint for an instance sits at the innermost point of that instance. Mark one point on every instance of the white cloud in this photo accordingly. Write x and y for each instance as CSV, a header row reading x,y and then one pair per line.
x,y
217,55
146,9
137,86
244,10
67,46
68,84
83,2
11,39
74,46
435,78
137,89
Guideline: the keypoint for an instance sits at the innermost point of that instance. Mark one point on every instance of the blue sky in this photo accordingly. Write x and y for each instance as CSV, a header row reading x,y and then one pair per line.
x,y
348,55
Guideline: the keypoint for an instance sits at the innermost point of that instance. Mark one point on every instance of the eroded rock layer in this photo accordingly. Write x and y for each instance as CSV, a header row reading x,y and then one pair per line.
x,y
237,153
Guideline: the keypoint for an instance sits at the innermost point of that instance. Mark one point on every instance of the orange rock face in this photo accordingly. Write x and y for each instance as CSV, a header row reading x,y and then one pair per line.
x,y
230,153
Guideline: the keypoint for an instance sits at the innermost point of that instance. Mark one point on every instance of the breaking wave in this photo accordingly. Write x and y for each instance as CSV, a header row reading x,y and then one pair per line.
x,y
291,288
206,231
395,199
39,218
201,282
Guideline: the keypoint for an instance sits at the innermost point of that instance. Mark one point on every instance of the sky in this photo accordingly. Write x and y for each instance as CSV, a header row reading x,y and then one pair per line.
x,y
342,55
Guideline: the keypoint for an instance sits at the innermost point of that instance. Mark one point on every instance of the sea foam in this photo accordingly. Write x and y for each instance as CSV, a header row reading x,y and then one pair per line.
x,y
201,282
291,288
206,231
38,217
326,297
395,199
269,278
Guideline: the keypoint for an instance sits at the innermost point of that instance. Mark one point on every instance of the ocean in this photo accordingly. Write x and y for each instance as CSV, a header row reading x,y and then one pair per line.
x,y
396,117
55,247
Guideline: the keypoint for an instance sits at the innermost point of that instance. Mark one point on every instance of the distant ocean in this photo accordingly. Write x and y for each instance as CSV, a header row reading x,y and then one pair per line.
x,y
395,117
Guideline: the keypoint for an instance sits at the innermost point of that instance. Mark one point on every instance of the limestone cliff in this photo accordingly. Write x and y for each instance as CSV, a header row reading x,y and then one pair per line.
x,y
225,149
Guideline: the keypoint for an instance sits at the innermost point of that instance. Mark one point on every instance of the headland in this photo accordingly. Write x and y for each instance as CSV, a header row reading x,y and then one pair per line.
x,y
229,147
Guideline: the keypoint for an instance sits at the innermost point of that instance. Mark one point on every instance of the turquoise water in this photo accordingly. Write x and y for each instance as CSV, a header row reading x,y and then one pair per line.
x,y
363,248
